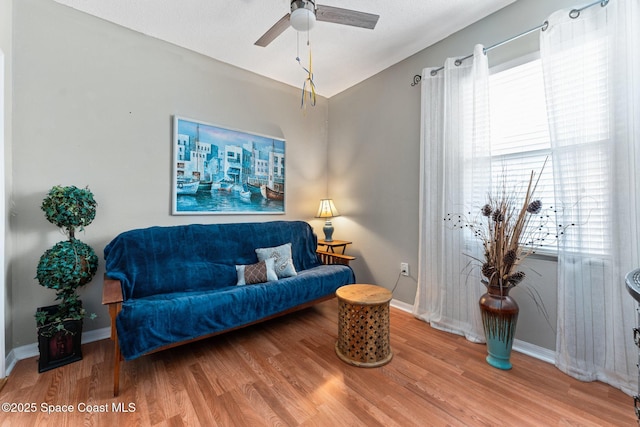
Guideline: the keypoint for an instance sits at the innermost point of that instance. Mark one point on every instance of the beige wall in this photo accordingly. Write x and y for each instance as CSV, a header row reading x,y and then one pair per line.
x,y
374,148
93,106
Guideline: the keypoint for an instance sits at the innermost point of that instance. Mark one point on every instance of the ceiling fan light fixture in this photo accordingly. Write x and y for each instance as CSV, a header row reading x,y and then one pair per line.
x,y
303,15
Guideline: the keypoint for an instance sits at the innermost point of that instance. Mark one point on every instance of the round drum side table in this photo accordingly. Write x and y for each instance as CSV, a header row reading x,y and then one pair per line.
x,y
363,325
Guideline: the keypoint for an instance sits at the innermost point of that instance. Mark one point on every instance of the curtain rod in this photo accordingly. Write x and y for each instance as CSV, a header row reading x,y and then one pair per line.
x,y
573,14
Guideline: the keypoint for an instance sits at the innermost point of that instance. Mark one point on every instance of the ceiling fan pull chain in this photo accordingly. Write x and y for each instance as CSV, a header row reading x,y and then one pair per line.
x,y
312,86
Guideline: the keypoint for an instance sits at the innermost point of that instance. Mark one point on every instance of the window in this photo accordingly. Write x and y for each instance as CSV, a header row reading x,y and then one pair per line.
x,y
520,143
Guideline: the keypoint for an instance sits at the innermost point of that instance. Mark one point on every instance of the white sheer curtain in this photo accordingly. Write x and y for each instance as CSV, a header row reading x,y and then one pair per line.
x,y
592,76
455,167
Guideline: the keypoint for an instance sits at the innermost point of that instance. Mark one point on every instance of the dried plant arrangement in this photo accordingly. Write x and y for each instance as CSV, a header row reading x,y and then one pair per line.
x,y
511,226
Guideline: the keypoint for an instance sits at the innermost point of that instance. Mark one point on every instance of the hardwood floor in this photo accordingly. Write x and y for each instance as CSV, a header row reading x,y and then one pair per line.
x,y
285,373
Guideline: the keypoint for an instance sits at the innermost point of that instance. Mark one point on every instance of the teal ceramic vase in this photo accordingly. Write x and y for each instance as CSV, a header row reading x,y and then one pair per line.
x,y
499,318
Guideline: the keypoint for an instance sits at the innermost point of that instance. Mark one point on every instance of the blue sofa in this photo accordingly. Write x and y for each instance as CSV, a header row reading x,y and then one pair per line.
x,y
167,286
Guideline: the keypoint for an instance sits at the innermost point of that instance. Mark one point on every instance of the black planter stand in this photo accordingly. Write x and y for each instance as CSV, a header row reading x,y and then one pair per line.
x,y
63,347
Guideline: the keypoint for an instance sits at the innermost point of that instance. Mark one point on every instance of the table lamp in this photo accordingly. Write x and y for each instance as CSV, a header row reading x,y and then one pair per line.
x,y
327,210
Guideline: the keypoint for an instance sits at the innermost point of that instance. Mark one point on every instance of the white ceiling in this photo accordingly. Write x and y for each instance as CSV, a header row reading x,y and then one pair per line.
x,y
342,55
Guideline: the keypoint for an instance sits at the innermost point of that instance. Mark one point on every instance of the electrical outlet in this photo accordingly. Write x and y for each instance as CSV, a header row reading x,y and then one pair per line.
x,y
404,268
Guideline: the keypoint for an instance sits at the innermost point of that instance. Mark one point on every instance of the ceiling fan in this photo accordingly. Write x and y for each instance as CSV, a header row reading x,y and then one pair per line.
x,y
304,13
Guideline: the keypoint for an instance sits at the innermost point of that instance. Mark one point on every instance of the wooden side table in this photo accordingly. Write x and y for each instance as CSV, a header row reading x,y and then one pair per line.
x,y
334,244
363,325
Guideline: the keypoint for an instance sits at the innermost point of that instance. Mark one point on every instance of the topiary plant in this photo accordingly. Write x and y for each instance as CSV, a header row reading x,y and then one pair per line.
x,y
69,264
70,208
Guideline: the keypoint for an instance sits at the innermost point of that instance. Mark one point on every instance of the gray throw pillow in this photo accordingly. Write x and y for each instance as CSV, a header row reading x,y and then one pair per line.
x,y
282,256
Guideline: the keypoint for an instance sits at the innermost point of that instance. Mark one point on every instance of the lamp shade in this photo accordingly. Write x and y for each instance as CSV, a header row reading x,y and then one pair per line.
x,y
327,209
302,15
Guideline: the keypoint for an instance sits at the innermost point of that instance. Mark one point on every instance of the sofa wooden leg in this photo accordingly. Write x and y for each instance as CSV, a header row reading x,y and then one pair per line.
x,y
114,309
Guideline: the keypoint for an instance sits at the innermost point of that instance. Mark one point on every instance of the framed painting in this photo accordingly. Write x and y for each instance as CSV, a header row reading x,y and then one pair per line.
x,y
226,171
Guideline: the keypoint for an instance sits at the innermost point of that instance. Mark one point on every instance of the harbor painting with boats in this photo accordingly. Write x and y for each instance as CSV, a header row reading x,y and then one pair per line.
x,y
225,171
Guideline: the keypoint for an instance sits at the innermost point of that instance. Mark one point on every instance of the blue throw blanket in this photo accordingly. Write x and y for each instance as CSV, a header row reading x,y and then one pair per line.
x,y
179,283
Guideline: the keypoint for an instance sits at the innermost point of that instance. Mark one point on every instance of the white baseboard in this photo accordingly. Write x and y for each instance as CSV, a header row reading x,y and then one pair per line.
x,y
400,305
31,350
537,352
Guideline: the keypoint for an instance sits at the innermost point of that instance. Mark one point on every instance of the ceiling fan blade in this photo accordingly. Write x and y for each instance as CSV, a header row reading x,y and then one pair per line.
x,y
346,17
274,31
